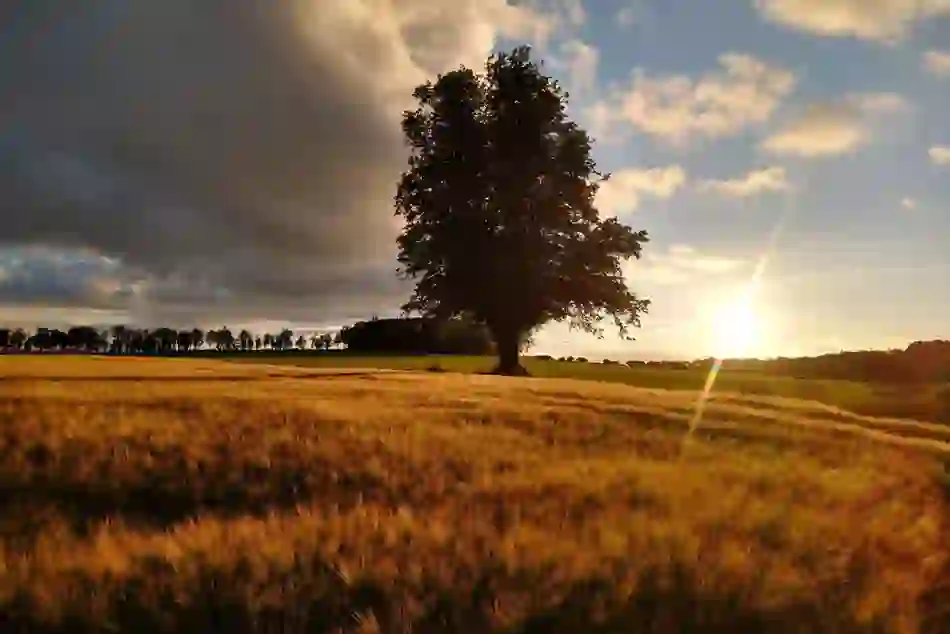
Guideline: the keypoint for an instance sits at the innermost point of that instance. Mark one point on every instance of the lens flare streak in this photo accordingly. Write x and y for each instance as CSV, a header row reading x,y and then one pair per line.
x,y
760,267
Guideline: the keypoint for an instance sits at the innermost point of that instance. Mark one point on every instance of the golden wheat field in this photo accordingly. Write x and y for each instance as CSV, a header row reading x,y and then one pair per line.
x,y
202,496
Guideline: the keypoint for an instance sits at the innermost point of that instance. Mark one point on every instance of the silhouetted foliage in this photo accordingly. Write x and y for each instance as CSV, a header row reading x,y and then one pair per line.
x,y
498,203
166,338
48,339
86,338
920,362
18,338
417,336
122,339
184,340
222,339
285,340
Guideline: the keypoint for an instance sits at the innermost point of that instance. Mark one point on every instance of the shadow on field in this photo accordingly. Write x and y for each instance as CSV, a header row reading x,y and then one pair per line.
x,y
80,487
151,505
313,595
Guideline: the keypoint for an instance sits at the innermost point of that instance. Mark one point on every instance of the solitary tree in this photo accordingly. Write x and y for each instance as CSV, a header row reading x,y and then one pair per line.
x,y
499,210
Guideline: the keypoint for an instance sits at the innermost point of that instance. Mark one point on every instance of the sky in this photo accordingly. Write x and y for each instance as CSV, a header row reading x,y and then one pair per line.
x,y
183,163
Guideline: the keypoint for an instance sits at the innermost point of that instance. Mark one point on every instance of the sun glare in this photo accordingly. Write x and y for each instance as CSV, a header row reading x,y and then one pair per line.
x,y
736,329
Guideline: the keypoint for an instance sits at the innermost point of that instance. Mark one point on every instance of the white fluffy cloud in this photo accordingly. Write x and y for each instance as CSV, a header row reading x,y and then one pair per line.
x,y
823,130
878,20
940,154
826,129
680,264
745,91
768,179
936,62
622,192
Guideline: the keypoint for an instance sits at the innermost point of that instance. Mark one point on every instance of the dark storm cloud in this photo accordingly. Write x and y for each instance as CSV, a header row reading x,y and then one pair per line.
x,y
242,145
40,277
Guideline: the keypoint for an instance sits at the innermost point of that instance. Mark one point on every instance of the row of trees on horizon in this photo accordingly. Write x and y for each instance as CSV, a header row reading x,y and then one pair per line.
x,y
402,335
122,339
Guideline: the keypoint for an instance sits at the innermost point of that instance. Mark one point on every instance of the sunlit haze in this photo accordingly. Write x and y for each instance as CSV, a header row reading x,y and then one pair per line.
x,y
245,175
737,330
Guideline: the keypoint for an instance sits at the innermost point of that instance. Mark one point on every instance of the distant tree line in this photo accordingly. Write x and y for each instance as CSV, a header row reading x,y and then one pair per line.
x,y
919,362
406,336
126,340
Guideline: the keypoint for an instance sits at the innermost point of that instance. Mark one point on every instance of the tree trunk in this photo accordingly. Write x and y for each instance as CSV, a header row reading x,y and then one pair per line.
x,y
508,343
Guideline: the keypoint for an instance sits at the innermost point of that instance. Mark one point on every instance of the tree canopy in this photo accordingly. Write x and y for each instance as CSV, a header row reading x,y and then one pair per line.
x,y
499,209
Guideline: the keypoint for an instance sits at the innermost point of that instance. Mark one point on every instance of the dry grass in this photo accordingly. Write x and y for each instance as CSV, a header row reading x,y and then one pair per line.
x,y
200,496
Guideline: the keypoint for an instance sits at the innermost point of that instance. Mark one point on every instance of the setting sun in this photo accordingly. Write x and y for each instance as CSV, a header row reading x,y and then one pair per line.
x,y
736,328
